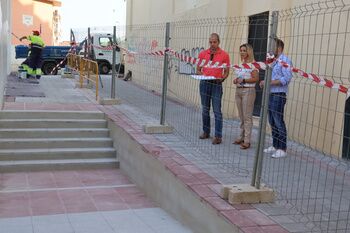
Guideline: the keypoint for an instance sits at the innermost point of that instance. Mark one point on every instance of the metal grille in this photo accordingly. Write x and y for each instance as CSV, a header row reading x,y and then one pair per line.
x,y
312,182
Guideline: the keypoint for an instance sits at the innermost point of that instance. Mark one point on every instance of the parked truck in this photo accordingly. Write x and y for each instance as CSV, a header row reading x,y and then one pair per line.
x,y
53,55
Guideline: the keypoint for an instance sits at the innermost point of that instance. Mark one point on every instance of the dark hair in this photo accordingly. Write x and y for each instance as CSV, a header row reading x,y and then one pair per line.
x,y
279,43
215,35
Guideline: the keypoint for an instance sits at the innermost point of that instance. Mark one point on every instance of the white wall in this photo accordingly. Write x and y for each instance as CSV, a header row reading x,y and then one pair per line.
x,y
5,16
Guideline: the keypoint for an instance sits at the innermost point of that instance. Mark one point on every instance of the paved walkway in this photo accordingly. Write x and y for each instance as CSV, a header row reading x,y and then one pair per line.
x,y
75,201
86,201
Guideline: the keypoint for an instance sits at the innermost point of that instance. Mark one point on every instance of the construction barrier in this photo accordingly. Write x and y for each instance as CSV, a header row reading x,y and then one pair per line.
x,y
87,70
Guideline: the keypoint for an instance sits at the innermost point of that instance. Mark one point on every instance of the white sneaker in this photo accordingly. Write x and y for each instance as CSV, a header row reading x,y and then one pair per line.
x,y
279,154
271,149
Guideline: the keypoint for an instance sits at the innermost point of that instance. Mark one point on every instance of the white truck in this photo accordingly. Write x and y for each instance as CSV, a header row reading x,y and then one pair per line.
x,y
54,55
104,54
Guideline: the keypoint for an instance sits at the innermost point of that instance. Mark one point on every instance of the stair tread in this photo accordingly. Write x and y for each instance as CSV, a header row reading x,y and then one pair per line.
x,y
61,161
55,139
53,129
51,120
38,150
49,111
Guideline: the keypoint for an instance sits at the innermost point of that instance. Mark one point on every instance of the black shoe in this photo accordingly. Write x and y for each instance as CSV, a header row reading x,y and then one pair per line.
x,y
204,136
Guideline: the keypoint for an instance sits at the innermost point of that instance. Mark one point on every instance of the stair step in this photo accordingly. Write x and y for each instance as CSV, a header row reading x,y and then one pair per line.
x,y
42,165
54,133
55,140
18,114
31,143
52,123
56,153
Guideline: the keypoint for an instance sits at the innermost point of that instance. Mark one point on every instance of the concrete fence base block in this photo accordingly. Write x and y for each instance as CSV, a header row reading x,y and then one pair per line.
x,y
225,191
109,101
247,194
155,129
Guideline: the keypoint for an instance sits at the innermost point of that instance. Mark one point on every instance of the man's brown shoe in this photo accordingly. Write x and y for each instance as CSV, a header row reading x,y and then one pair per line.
x,y
216,141
204,136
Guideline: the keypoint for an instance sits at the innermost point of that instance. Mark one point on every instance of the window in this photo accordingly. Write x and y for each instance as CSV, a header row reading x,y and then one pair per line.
x,y
105,41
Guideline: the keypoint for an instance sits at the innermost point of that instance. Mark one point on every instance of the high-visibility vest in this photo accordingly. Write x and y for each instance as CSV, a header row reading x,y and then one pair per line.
x,y
36,40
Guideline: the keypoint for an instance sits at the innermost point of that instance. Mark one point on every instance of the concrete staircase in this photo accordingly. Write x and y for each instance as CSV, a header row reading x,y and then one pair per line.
x,y
48,140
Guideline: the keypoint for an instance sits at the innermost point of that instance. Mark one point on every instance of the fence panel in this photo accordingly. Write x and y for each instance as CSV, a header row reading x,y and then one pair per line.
x,y
312,182
147,71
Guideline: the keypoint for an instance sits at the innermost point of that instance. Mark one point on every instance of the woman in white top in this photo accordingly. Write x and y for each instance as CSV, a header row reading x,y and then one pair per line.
x,y
245,95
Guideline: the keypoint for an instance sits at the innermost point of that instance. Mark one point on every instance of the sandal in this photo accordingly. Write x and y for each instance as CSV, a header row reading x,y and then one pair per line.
x,y
238,141
245,146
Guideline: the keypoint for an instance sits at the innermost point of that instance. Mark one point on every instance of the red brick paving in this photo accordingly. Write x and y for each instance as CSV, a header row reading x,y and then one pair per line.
x,y
58,192
265,229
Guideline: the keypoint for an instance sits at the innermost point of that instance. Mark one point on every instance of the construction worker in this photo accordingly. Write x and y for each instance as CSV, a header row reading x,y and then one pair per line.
x,y
34,60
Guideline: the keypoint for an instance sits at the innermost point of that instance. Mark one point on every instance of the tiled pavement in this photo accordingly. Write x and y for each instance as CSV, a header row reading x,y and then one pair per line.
x,y
86,201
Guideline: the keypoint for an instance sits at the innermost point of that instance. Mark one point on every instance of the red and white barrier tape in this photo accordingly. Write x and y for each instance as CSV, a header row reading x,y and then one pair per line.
x,y
205,63
254,65
321,81
73,50
263,65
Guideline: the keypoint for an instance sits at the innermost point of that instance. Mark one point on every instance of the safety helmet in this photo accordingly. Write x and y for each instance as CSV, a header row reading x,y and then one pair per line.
x,y
36,33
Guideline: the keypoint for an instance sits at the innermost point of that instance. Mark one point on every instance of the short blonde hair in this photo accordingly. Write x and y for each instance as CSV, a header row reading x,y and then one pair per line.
x,y
250,51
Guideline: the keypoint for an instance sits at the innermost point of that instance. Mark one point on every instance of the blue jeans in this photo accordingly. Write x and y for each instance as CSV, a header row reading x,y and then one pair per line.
x,y
211,91
277,101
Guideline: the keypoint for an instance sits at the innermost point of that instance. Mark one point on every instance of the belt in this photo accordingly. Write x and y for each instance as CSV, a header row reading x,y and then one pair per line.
x,y
278,93
244,87
215,81
36,46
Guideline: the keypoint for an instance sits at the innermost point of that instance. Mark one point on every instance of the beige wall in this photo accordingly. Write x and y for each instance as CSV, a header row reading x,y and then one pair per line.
x,y
317,44
5,17
158,11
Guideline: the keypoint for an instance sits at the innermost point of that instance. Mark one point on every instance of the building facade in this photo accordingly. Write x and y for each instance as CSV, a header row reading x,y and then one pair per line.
x,y
40,15
29,15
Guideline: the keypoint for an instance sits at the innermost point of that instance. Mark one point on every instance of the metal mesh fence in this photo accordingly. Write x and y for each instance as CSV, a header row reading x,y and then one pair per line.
x,y
312,182
190,38
147,70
